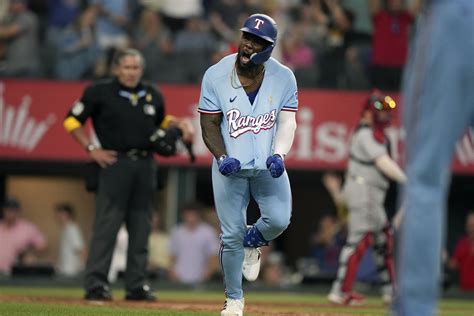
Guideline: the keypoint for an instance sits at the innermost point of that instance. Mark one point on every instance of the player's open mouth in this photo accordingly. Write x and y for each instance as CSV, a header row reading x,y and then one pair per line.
x,y
244,58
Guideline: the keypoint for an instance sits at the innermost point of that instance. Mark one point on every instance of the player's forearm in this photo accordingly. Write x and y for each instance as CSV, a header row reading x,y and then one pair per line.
x,y
390,168
285,133
211,134
7,32
80,136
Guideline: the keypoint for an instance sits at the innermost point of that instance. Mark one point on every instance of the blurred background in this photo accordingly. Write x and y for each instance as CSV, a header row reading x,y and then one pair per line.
x,y
338,50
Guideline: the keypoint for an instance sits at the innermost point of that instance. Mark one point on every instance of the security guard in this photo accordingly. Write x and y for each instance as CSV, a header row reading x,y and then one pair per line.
x,y
125,112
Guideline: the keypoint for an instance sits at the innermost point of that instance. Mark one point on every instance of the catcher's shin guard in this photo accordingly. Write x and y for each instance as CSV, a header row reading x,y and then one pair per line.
x,y
384,256
353,260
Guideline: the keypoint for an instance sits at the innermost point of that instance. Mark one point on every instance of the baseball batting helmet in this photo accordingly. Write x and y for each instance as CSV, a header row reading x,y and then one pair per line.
x,y
265,27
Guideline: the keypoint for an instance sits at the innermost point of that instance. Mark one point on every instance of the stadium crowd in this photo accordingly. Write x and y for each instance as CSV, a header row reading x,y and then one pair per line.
x,y
344,44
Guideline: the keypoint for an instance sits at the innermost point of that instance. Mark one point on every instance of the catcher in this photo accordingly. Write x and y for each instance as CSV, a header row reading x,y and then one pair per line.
x,y
367,180
129,120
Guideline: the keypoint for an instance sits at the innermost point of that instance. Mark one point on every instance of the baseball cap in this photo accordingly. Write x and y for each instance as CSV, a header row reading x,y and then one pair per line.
x,y
11,203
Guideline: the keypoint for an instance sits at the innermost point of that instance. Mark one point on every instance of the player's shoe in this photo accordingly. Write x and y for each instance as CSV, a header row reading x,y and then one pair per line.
x,y
387,299
251,267
234,307
143,293
350,298
100,293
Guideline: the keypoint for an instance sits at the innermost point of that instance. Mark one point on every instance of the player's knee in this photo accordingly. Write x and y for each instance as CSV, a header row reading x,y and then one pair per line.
x,y
232,241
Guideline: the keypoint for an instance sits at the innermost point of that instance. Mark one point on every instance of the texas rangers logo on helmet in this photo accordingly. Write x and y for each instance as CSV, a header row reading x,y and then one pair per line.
x,y
258,22
239,124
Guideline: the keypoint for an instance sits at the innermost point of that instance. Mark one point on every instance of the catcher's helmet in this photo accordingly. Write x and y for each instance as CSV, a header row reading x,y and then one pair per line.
x,y
265,27
381,106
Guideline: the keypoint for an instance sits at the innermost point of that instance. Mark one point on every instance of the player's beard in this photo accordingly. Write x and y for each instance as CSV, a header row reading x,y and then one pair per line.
x,y
249,70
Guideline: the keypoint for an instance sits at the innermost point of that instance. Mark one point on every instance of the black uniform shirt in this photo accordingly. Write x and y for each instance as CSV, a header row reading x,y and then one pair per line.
x,y
123,118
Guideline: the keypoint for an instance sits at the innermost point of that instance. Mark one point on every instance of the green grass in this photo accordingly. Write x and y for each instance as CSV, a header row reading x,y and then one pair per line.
x,y
15,300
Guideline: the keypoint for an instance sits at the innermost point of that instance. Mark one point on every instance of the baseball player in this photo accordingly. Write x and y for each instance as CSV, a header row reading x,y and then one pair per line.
x,y
367,179
248,105
438,93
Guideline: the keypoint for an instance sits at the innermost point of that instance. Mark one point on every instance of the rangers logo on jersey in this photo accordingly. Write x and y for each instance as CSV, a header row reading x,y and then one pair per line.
x,y
239,124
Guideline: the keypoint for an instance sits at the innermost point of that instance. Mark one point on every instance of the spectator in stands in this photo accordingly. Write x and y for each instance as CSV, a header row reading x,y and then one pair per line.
x,y
194,246
19,35
194,46
112,23
463,258
4,9
77,48
61,13
159,248
299,56
224,18
153,39
71,253
390,41
176,12
358,52
327,243
335,24
18,236
273,268
362,21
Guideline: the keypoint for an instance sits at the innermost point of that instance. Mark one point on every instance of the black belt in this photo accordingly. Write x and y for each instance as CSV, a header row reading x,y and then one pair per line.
x,y
135,154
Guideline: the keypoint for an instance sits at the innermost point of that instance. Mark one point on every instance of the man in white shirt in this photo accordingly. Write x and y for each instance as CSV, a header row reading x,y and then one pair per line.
x,y
71,246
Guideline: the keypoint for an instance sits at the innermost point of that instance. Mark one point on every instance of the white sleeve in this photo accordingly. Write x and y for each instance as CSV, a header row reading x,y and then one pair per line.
x,y
285,132
390,168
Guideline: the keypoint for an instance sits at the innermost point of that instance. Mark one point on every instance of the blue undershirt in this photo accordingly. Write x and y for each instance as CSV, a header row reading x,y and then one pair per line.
x,y
252,95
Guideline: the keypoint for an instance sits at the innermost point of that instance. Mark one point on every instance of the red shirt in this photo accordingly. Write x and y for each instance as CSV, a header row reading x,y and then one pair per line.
x,y
464,256
390,38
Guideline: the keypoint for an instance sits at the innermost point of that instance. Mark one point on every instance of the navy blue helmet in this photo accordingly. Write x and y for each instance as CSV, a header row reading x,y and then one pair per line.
x,y
265,27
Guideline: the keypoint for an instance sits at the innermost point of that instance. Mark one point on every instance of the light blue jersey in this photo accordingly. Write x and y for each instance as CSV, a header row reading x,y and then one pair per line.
x,y
248,129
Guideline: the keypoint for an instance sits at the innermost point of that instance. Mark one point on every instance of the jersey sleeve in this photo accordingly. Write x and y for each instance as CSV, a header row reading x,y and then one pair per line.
x,y
208,100
82,109
372,148
290,98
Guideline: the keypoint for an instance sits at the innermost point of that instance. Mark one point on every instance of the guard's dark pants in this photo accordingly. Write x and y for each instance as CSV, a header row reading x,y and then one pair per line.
x,y
124,195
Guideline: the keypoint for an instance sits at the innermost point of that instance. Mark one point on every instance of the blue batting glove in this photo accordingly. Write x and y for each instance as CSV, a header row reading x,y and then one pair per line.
x,y
275,165
228,165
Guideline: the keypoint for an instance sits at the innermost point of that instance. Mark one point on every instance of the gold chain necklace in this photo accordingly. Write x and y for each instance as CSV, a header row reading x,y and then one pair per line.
x,y
235,82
